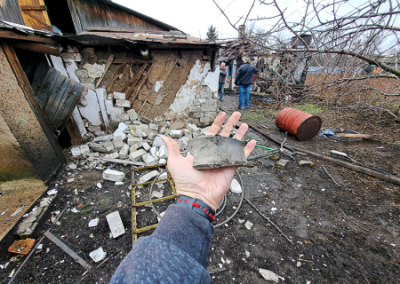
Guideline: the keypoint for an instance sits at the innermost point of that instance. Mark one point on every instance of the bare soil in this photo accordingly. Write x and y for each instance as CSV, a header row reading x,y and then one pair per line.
x,y
340,234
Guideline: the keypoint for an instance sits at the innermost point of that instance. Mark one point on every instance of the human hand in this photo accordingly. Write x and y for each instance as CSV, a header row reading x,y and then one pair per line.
x,y
210,186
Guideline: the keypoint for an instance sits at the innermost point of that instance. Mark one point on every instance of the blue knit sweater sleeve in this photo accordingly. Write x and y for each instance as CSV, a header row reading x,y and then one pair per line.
x,y
176,252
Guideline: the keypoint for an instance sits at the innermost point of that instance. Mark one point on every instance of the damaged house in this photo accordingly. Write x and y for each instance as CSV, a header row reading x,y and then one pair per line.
x,y
74,69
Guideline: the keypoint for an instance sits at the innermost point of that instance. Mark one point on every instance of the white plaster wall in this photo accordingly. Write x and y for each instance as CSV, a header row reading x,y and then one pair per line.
x,y
185,97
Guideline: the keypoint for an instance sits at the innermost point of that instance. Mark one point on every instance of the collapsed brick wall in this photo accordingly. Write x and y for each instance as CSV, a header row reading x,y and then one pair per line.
x,y
171,86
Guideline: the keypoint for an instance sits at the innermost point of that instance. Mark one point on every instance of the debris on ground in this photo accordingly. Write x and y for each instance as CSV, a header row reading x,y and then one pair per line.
x,y
22,246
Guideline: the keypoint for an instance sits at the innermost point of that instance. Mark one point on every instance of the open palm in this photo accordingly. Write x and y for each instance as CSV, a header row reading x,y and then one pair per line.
x,y
208,185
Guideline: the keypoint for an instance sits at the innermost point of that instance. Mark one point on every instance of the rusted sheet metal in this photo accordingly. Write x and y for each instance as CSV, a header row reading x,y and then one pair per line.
x,y
9,11
56,94
35,15
98,13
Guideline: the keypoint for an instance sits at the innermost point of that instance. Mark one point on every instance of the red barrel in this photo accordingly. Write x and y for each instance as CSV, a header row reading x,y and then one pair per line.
x,y
300,124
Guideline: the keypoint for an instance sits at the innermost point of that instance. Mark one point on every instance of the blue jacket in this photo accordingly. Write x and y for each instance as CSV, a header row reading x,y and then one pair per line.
x,y
176,252
245,74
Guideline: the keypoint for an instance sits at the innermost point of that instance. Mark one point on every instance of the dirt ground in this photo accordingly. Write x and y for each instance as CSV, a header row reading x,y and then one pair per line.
x,y
339,234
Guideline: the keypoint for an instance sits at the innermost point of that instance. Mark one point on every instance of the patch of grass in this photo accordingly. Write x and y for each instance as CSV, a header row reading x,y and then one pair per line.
x,y
309,108
86,211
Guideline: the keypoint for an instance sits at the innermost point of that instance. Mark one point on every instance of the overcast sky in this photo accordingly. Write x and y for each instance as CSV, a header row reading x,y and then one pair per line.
x,y
194,17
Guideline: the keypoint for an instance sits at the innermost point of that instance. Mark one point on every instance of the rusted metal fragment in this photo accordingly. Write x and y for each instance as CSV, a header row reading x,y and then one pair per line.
x,y
212,152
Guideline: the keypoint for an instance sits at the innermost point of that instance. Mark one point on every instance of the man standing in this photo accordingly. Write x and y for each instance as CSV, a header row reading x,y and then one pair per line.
x,y
222,76
244,78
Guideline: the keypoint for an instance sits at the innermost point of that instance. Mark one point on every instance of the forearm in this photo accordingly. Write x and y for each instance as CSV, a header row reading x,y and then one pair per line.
x,y
187,230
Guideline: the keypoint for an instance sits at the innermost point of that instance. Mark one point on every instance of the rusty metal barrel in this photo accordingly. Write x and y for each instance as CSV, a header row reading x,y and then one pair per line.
x,y
300,124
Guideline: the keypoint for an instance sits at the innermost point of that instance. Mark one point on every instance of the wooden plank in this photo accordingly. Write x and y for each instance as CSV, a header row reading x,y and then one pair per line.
x,y
142,83
40,73
108,64
73,130
115,78
67,104
37,47
67,250
55,88
131,86
32,7
57,92
74,16
29,94
40,93
35,38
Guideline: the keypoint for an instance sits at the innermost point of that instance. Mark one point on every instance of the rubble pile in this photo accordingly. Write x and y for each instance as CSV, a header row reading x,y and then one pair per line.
x,y
135,142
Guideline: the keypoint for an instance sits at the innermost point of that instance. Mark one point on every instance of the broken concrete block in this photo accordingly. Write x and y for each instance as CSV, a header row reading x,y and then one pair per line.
x,y
193,128
146,146
157,194
94,70
269,275
93,128
108,146
137,155
176,133
187,133
123,103
163,153
235,186
281,163
152,135
162,161
132,114
145,119
153,126
113,155
72,166
123,154
76,151
162,130
133,140
113,175
103,138
118,142
120,130
148,176
158,142
84,149
98,255
153,151
114,112
115,223
98,147
205,130
149,160
140,133
119,96
92,110
94,222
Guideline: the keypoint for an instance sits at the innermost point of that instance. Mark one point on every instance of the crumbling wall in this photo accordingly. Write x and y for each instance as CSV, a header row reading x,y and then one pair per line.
x,y
13,162
21,120
168,85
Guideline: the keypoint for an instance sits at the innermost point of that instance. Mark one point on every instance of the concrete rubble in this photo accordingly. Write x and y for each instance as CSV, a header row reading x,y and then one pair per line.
x,y
137,141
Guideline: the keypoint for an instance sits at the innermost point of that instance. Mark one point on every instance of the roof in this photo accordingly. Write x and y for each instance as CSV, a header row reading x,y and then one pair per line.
x,y
137,14
164,39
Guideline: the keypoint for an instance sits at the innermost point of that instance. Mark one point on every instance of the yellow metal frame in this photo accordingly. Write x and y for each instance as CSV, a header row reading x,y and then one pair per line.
x,y
135,229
